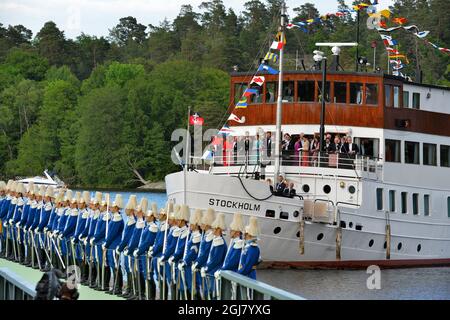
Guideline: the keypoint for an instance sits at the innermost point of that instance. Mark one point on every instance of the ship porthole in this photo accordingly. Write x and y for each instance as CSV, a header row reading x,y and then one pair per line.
x,y
371,243
419,247
350,224
352,189
277,230
326,189
305,188
298,234
399,246
296,214
319,236
385,245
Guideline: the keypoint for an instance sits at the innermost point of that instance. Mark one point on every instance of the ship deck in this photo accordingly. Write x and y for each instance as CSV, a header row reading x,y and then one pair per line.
x,y
32,277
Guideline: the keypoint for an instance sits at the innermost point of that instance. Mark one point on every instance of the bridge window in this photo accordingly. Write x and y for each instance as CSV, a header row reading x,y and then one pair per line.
x,y
288,91
371,93
270,213
416,100
448,207
271,92
379,199
396,91
392,150
404,196
356,93
388,95
284,215
429,154
445,156
306,91
392,200
340,92
412,152
415,200
426,205
327,91
405,99
239,91
256,98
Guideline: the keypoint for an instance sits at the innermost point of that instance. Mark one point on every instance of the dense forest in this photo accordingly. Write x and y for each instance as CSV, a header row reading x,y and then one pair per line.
x,y
99,111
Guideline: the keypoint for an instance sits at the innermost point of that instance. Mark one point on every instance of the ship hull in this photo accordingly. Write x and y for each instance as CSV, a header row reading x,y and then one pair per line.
x,y
280,237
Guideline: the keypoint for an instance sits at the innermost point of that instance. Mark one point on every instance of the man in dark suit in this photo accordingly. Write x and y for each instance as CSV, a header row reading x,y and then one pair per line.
x,y
287,146
235,149
350,148
290,192
247,147
269,144
280,186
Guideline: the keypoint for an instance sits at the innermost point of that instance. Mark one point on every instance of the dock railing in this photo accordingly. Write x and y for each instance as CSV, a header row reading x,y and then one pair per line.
x,y
237,287
12,287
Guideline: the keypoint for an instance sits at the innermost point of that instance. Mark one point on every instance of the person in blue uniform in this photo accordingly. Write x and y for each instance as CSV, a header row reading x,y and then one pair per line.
x,y
155,251
70,227
61,225
3,201
7,222
98,241
182,219
216,255
205,246
190,254
113,239
236,244
3,213
169,248
147,240
86,234
23,220
250,256
15,221
52,227
33,203
132,245
46,213
76,246
126,236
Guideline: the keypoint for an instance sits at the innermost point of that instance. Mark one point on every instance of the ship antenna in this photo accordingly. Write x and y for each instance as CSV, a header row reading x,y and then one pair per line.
x,y
280,95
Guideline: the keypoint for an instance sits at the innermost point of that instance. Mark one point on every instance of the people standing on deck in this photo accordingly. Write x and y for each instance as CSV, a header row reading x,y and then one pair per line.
x,y
126,236
190,254
314,150
216,255
143,254
250,254
304,153
138,281
268,145
280,186
204,249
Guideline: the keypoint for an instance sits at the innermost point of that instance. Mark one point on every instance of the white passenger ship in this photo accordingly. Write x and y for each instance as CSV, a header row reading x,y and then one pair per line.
x,y
390,206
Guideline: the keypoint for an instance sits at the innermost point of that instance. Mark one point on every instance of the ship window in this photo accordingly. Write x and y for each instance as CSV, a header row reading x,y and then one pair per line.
x,y
288,91
356,93
396,96
327,189
404,202
340,92
371,243
399,246
239,91
419,247
379,199
306,91
352,189
426,205
256,98
415,200
327,90
405,99
412,152
319,236
448,207
392,150
445,156
270,213
429,154
284,215
271,92
371,93
416,100
277,230
305,188
387,95
392,200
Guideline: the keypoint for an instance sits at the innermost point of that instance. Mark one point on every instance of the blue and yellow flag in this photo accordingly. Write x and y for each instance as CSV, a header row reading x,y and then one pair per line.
x,y
242,104
271,57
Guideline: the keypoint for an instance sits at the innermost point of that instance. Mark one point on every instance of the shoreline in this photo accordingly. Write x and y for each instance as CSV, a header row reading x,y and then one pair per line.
x,y
155,187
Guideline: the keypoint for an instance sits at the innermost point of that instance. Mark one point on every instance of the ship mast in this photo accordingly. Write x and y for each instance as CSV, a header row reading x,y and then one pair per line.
x,y
280,96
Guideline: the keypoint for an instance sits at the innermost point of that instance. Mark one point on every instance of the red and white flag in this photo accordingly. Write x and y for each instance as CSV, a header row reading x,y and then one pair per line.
x,y
196,120
392,50
259,80
277,45
234,117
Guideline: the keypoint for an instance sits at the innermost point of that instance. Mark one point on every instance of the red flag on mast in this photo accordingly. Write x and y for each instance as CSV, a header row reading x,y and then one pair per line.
x,y
196,120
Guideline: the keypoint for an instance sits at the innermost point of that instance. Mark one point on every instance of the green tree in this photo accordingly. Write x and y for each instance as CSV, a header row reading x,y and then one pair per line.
x,y
51,43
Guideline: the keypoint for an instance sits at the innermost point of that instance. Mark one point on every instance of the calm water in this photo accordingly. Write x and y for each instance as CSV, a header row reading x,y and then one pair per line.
x,y
421,283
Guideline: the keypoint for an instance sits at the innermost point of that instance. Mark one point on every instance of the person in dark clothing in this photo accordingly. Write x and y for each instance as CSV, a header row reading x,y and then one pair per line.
x,y
280,186
290,192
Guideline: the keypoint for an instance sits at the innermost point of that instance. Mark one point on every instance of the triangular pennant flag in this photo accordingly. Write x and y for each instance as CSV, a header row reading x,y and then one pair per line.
x,y
259,80
271,57
242,104
226,130
250,92
265,68
422,34
277,45
235,118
